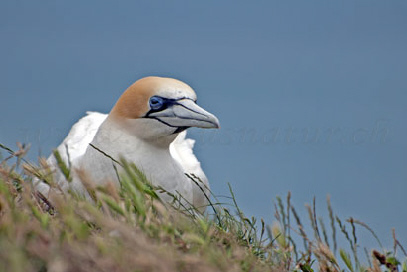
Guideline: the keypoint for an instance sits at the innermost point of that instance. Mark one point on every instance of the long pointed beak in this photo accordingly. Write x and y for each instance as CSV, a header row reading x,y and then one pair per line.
x,y
186,113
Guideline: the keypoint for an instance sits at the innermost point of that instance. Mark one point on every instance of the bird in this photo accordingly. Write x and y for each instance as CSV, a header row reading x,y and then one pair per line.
x,y
147,126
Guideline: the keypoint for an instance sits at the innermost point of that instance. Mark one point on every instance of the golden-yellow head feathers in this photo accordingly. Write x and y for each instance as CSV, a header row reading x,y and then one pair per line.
x,y
134,102
155,107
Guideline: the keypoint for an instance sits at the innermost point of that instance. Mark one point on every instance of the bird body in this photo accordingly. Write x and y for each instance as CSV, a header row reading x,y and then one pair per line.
x,y
145,127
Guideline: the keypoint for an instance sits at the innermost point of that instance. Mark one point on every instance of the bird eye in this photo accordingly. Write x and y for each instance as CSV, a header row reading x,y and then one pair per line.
x,y
156,102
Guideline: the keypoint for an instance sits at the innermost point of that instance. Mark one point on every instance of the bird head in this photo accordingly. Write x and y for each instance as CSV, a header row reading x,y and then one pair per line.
x,y
155,107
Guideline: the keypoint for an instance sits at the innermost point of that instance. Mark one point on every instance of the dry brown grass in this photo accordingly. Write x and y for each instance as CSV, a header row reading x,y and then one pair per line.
x,y
130,229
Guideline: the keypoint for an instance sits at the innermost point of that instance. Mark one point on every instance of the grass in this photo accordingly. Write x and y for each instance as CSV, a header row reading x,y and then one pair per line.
x,y
130,229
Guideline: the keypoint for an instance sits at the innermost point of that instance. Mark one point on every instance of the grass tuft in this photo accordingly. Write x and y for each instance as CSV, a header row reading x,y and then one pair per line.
x,y
131,229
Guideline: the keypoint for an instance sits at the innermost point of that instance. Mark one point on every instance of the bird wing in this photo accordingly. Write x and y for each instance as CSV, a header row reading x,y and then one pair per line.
x,y
79,137
73,147
181,150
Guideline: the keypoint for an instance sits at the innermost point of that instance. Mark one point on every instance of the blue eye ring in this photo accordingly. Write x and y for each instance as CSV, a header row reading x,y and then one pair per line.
x,y
156,102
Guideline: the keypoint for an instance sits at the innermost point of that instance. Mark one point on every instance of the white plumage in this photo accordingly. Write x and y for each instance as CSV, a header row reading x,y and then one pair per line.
x,y
147,127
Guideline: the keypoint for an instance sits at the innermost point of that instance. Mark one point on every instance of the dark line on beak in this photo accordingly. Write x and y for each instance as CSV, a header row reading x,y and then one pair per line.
x,y
177,129
159,120
169,102
185,107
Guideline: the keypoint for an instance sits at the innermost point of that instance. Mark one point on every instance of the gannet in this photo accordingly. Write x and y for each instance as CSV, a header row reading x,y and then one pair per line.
x,y
147,126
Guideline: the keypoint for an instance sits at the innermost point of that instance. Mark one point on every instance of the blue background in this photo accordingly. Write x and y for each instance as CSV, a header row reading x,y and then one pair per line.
x,y
311,95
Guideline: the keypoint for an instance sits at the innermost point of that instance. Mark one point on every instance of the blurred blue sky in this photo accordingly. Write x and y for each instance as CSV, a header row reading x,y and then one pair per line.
x,y
311,95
